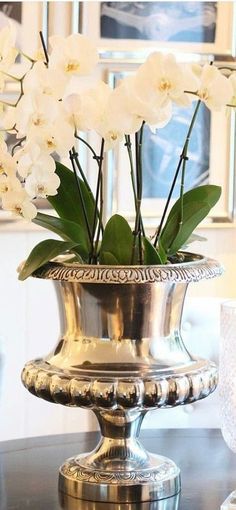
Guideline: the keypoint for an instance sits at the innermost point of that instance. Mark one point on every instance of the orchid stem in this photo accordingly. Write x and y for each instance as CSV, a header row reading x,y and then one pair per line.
x,y
44,48
182,157
138,219
98,190
81,198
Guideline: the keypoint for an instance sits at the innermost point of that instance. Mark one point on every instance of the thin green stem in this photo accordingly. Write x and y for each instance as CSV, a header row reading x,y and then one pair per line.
x,y
81,198
76,158
140,166
128,145
100,227
27,57
137,234
184,161
182,156
44,48
11,76
98,190
95,156
5,103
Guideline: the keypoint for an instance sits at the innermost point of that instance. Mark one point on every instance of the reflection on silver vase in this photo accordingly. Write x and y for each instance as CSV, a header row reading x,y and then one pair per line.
x,y
121,354
70,503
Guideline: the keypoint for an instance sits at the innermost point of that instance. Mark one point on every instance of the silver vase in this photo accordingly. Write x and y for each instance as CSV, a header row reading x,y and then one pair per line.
x,y
121,354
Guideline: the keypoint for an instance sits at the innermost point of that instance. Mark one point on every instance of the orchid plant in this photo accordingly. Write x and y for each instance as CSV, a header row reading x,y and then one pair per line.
x,y
58,100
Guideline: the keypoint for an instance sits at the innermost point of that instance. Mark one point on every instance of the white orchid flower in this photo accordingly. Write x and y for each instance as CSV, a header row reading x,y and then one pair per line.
x,y
7,163
3,146
191,85
57,137
111,135
215,90
76,108
8,52
119,113
42,184
44,80
19,204
97,103
160,79
138,107
73,55
8,119
31,159
90,108
9,184
35,111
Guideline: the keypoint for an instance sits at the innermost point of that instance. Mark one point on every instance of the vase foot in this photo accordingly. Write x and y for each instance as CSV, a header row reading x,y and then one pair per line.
x,y
70,503
157,481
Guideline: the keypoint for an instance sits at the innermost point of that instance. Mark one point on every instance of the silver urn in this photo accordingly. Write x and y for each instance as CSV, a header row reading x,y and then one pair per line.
x,y
121,354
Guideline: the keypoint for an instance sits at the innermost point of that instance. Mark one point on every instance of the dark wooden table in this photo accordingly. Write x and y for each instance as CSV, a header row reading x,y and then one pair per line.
x,y
29,469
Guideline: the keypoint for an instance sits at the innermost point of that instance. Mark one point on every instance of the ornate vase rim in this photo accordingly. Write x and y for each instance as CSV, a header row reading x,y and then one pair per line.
x,y
195,268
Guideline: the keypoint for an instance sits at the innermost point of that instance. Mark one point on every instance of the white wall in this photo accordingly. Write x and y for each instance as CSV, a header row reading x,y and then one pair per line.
x,y
29,328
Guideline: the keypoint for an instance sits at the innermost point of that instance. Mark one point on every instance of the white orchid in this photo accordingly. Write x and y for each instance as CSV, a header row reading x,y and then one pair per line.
x,y
31,159
9,184
134,106
8,52
57,137
63,97
42,184
215,90
73,55
76,108
35,111
8,119
160,79
7,163
18,202
44,80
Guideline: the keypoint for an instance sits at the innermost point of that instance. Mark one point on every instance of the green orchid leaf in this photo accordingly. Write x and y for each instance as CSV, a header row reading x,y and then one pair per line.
x,y
208,194
68,204
108,259
161,252
150,255
117,240
67,230
197,204
42,253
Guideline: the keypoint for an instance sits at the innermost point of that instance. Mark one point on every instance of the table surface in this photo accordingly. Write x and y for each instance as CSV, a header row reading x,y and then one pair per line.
x,y
29,469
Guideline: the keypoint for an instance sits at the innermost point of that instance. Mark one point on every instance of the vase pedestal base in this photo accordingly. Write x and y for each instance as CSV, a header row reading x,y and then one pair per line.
x,y
157,480
70,503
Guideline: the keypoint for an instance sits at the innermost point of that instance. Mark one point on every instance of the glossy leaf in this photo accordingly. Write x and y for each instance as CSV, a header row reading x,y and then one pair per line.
x,y
108,259
67,203
150,255
42,253
208,194
197,203
161,252
67,230
117,240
